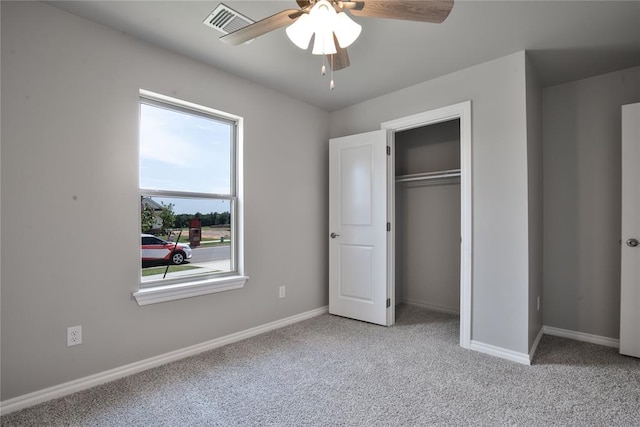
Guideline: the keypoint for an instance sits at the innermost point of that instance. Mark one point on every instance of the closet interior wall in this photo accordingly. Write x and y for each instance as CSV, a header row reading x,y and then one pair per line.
x,y
428,217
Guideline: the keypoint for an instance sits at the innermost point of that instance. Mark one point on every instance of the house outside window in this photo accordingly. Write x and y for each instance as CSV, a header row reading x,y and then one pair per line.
x,y
189,205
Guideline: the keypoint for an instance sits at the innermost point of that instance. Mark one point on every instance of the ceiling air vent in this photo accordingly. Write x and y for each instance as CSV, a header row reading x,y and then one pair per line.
x,y
226,20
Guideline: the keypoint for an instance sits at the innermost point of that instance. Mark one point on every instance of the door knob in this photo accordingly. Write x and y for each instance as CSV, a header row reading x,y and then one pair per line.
x,y
632,242
334,235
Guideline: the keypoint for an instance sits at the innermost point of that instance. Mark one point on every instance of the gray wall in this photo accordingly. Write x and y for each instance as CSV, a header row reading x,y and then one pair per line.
x,y
429,148
582,197
70,231
500,200
428,245
534,169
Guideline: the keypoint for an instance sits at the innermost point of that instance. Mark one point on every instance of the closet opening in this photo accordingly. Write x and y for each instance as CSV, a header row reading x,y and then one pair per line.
x,y
428,216
430,204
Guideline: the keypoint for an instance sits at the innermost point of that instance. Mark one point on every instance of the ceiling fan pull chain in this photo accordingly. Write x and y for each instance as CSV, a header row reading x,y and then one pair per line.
x,y
331,84
323,69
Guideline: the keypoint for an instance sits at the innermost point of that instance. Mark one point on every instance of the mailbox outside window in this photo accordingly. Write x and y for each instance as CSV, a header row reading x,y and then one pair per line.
x,y
195,231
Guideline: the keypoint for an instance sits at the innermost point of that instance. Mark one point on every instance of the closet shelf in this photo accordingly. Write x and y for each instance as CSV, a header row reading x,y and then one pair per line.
x,y
451,173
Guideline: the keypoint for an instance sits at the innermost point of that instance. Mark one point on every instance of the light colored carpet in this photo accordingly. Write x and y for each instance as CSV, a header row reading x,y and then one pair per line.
x,y
330,371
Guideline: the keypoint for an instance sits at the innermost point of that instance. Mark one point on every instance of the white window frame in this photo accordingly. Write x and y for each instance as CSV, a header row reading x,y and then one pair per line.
x,y
195,285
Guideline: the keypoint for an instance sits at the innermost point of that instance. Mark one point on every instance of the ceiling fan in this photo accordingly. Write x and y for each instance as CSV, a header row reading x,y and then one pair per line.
x,y
334,31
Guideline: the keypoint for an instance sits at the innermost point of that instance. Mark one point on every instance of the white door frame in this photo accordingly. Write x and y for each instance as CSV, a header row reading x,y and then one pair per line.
x,y
460,111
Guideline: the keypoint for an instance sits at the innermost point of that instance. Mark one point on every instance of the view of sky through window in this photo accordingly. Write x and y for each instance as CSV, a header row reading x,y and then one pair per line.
x,y
185,152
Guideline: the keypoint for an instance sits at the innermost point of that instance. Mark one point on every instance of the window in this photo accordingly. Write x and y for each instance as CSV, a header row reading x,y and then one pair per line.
x,y
189,204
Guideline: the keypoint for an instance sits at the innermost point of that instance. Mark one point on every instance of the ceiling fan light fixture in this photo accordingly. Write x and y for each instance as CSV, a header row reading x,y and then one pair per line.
x,y
346,30
322,14
323,21
324,44
300,32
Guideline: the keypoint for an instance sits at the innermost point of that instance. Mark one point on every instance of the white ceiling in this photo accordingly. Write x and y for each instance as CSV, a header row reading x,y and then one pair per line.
x,y
567,40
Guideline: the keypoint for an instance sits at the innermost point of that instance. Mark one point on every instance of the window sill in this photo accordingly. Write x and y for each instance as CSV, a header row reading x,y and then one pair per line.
x,y
157,294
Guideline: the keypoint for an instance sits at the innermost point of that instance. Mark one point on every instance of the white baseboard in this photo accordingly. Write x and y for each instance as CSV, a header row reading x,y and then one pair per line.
x,y
503,353
67,388
534,347
430,306
581,336
526,359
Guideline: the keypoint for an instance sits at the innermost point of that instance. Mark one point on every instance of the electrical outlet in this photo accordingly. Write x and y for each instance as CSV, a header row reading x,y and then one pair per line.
x,y
282,292
538,303
74,335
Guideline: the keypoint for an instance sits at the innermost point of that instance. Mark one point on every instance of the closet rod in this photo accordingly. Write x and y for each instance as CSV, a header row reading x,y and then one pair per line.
x,y
451,173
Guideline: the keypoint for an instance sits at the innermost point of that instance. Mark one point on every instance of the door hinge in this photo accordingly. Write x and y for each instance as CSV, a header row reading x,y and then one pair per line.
x,y
388,226
388,150
388,302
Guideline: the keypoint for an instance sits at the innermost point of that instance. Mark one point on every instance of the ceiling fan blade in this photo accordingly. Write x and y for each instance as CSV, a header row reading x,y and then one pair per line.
x,y
261,27
340,59
434,11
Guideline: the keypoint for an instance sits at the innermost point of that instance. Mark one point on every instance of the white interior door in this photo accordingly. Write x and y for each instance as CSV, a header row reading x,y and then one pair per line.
x,y
630,268
358,281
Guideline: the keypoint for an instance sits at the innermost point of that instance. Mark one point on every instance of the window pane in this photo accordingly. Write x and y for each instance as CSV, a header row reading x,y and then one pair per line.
x,y
184,152
202,228
187,191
